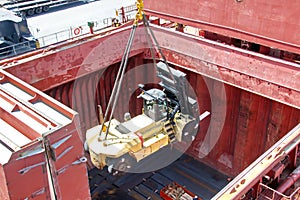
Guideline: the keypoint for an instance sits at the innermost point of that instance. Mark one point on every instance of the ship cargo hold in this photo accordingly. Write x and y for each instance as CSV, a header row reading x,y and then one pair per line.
x,y
241,59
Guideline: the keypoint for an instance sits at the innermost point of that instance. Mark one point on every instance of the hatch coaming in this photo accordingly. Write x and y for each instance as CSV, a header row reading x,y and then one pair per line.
x,y
256,103
245,115
26,114
245,102
270,23
254,72
40,140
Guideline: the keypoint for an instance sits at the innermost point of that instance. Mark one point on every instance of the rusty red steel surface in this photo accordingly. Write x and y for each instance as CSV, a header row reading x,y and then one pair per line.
x,y
248,116
261,166
72,74
66,63
3,187
36,180
86,93
289,181
44,122
251,120
263,75
253,99
271,23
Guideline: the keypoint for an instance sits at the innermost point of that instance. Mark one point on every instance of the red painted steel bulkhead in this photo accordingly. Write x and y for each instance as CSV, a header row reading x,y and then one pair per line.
x,y
270,23
261,105
51,154
3,189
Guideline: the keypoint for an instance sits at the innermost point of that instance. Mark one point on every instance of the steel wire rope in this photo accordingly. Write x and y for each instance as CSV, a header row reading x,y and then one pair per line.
x,y
121,77
117,79
123,66
158,47
148,37
147,30
116,82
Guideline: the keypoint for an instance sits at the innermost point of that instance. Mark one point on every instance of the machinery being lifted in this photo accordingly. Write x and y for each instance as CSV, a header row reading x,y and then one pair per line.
x,y
247,149
165,115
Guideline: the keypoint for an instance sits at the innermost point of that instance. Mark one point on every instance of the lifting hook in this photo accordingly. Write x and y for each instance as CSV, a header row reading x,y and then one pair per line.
x,y
140,13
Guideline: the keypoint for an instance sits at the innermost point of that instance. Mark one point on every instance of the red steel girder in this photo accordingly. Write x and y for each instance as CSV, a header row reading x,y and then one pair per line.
x,y
3,186
65,62
34,119
263,75
271,23
270,77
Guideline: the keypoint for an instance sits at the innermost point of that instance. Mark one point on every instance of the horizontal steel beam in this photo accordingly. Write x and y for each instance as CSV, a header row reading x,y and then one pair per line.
x,y
270,77
252,174
270,23
65,62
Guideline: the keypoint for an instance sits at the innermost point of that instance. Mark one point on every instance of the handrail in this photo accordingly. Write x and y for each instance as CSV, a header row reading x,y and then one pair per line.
x,y
247,179
275,194
16,49
63,35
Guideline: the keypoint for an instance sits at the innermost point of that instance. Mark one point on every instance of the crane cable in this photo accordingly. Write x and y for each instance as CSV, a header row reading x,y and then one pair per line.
x,y
119,78
118,83
123,68
149,35
117,86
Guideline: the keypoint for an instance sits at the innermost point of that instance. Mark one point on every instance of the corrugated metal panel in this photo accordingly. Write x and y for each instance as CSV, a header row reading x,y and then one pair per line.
x,y
86,93
248,121
243,75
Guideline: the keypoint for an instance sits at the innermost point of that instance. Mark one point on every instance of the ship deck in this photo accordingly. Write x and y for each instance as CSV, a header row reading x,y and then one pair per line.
x,y
188,172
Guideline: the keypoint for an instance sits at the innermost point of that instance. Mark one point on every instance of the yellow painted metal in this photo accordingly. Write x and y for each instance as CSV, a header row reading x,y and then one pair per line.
x,y
140,13
145,137
151,145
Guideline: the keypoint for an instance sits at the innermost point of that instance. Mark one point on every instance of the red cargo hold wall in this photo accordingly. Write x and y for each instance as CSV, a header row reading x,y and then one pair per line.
x,y
3,187
263,75
40,145
271,23
86,93
251,121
